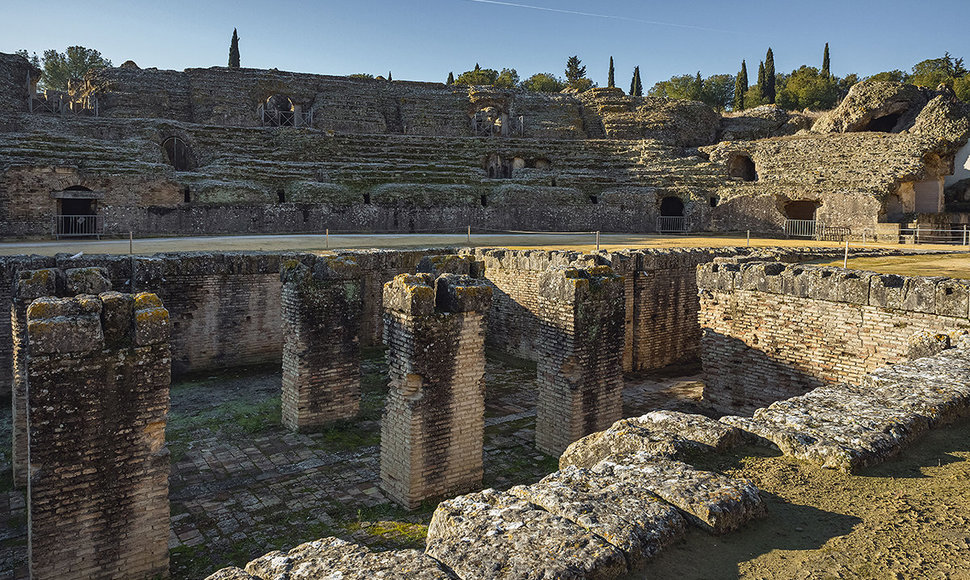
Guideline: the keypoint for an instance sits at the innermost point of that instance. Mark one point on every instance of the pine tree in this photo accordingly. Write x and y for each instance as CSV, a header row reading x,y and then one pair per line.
x,y
234,50
611,82
770,76
636,87
761,80
826,64
451,79
740,86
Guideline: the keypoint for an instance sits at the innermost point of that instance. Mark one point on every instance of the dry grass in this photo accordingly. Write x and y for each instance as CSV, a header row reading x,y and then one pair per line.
x,y
950,265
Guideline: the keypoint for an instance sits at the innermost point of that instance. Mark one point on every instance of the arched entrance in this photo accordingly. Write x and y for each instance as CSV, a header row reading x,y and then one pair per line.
x,y
278,110
77,213
800,219
178,154
671,219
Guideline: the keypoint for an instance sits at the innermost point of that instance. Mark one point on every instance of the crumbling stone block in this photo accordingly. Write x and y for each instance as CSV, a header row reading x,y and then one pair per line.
x,y
433,424
580,343
321,305
661,433
98,479
627,516
492,534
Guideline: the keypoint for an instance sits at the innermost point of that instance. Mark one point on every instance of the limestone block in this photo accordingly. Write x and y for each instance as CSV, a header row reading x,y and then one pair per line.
x,y
117,316
87,281
336,268
460,293
495,535
232,573
450,264
65,325
151,320
853,287
886,291
823,284
335,558
952,298
661,433
919,294
36,283
410,294
801,282
624,514
713,502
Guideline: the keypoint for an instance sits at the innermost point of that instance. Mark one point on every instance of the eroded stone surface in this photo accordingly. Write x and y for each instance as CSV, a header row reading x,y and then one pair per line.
x,y
492,534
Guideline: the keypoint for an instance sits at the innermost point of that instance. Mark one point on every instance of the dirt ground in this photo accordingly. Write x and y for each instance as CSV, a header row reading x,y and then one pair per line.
x,y
952,265
908,518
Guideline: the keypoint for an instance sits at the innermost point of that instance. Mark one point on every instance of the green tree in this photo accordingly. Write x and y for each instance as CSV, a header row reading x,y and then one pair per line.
x,y
507,79
961,87
543,83
740,86
389,77
826,63
680,87
808,88
718,91
761,82
60,68
936,71
636,87
892,75
769,87
31,58
611,81
479,76
234,50
451,79
364,76
576,75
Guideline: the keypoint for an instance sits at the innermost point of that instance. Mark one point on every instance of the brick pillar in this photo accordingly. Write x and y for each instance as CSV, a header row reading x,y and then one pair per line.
x,y
29,285
321,305
98,372
580,359
434,418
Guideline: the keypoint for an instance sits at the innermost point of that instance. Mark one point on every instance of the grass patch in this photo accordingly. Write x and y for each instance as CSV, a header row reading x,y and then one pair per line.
x,y
230,419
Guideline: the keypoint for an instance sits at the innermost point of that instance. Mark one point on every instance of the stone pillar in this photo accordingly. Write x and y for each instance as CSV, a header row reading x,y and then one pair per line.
x,y
321,306
434,418
98,373
580,345
32,284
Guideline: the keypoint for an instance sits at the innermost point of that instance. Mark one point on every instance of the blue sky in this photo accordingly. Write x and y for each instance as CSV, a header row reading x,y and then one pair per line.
x,y
424,40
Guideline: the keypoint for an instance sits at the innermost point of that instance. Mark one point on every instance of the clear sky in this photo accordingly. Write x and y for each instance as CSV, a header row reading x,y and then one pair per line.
x,y
425,39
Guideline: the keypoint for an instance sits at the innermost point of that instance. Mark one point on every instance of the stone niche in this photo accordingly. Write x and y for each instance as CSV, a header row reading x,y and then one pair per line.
x,y
434,418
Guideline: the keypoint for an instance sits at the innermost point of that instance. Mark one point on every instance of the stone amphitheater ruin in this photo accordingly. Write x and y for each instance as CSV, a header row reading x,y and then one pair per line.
x,y
839,368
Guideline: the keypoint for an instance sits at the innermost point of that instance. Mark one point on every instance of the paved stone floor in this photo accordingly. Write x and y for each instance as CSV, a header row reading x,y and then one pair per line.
x,y
242,485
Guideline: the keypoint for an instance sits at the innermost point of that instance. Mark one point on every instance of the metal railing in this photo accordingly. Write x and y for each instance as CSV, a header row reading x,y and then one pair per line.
x,y
78,226
800,228
275,118
958,235
64,103
512,126
671,224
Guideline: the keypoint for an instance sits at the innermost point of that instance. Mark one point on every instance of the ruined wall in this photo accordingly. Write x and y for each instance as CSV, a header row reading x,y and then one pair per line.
x,y
99,373
580,354
434,419
225,307
321,341
773,331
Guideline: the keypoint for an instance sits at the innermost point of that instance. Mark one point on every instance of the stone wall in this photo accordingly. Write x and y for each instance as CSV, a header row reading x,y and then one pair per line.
x,y
580,354
99,373
321,341
225,307
773,331
434,418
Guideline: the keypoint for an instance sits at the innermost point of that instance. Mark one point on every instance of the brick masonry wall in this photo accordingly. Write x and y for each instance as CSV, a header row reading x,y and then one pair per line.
x,y
321,304
10,268
580,355
99,373
434,418
773,331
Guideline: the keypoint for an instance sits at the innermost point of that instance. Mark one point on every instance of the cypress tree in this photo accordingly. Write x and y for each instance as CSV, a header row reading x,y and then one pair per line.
x,y
636,87
389,76
761,80
740,86
611,82
451,79
826,69
234,50
770,76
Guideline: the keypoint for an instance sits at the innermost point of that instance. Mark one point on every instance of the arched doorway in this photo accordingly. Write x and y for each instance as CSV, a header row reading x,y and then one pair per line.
x,y
278,110
740,166
671,219
800,219
77,213
178,154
